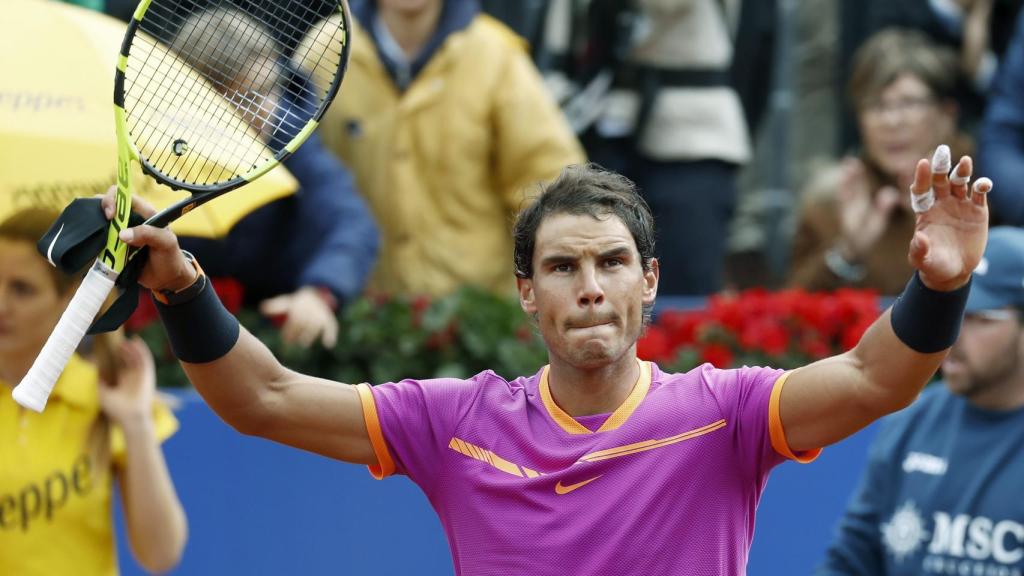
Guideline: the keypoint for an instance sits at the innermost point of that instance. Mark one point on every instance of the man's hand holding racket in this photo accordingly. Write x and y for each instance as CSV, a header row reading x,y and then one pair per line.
x,y
166,267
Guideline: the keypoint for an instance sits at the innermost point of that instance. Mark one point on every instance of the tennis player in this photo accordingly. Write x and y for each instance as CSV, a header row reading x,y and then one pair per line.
x,y
599,463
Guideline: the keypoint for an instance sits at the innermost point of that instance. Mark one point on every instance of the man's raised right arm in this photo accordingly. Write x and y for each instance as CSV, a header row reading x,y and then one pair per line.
x,y
235,373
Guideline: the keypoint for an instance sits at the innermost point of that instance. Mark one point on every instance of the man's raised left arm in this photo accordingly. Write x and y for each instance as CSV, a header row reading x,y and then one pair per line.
x,y
833,398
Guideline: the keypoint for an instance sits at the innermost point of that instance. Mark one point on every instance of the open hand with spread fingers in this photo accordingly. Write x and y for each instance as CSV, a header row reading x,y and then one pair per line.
x,y
952,220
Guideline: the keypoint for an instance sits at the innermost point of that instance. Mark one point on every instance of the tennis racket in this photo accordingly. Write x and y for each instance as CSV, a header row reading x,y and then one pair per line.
x,y
207,97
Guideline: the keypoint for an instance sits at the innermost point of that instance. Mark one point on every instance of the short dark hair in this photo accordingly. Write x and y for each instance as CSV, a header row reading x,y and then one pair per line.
x,y
591,190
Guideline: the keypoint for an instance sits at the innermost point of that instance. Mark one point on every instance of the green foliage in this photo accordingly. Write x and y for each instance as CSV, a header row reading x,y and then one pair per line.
x,y
386,339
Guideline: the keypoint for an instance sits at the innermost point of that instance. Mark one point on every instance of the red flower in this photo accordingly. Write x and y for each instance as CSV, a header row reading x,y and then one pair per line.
x,y
768,334
807,325
717,355
681,325
443,337
143,315
524,333
418,306
655,345
814,346
230,291
852,333
726,311
821,312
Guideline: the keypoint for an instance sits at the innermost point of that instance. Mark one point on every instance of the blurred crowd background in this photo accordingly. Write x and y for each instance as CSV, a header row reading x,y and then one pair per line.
x,y
774,140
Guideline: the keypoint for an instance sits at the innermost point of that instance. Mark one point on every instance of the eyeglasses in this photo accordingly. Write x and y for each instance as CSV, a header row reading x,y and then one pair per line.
x,y
912,109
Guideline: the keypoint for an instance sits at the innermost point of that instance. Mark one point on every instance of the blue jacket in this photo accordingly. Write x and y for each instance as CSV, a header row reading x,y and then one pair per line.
x,y
943,493
1001,135
323,235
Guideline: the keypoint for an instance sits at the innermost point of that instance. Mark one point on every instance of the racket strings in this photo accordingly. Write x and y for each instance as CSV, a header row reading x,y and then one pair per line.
x,y
250,53
253,110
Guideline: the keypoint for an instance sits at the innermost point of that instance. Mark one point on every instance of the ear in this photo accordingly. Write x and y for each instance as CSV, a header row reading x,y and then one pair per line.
x,y
526,295
651,281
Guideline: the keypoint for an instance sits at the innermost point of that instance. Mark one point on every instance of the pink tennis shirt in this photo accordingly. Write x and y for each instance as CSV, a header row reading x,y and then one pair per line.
x,y
667,484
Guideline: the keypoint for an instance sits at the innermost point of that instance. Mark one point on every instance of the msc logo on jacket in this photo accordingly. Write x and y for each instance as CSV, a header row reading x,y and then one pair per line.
x,y
955,543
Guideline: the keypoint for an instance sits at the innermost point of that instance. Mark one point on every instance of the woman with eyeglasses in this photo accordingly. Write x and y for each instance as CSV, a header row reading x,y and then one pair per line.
x,y
856,218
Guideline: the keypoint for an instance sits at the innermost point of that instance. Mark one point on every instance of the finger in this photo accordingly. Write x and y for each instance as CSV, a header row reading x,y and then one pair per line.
x,y
922,196
960,177
139,352
139,205
980,190
108,202
918,250
846,193
142,207
887,199
275,306
851,169
941,163
158,239
307,335
301,328
330,335
851,174
291,332
130,355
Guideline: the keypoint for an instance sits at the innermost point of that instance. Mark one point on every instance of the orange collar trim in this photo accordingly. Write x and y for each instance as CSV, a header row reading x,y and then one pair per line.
x,y
618,418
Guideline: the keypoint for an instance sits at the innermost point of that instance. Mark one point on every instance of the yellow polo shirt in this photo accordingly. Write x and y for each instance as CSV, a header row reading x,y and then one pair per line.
x,y
55,505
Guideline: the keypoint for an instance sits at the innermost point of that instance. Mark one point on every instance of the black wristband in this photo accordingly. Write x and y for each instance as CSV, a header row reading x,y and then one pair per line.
x,y
928,320
201,329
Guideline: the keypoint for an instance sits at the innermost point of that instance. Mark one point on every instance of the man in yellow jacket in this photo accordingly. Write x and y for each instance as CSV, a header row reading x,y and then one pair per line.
x,y
446,124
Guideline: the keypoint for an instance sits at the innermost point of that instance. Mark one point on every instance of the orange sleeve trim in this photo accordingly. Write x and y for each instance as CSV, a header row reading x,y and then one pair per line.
x,y
775,430
385,465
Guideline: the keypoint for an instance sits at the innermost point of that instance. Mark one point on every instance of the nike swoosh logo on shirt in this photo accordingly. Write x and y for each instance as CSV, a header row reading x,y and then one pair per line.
x,y
49,251
560,490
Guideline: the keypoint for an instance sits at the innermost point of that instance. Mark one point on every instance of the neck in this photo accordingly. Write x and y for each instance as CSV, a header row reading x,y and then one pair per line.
x,y
583,392
412,30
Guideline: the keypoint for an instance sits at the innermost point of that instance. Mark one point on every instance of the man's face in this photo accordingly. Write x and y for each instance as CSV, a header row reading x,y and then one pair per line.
x,y
987,353
588,289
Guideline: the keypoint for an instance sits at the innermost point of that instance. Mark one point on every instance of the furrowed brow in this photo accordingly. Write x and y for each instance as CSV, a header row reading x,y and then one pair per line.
x,y
617,252
556,259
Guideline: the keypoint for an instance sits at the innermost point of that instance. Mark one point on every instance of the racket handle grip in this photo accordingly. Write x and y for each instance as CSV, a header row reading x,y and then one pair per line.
x,y
35,387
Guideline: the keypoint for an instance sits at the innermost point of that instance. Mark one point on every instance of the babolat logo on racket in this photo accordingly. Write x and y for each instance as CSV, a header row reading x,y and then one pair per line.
x,y
121,204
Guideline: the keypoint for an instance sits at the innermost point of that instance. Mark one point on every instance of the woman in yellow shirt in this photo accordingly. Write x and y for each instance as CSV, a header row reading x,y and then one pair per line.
x,y
102,421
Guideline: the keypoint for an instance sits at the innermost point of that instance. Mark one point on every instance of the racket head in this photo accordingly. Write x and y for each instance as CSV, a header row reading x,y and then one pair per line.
x,y
212,91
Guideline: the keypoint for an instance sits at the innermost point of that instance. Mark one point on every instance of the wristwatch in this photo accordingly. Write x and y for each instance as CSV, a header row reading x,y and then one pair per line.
x,y
173,298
